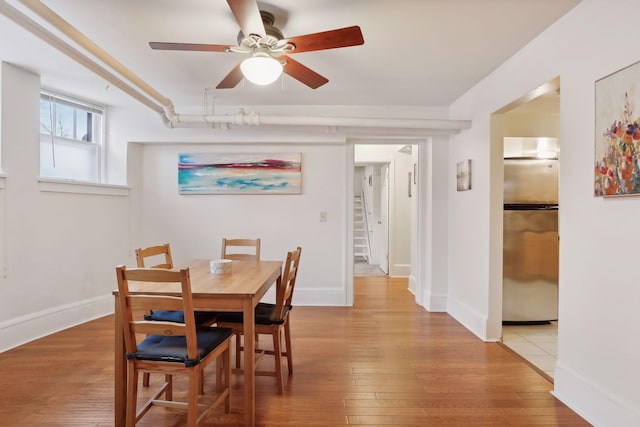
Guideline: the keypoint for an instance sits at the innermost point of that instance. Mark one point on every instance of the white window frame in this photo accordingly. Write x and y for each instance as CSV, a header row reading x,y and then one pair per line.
x,y
99,136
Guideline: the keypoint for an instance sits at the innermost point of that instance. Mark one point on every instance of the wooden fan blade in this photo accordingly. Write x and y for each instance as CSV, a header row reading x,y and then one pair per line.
x,y
248,16
189,46
343,37
232,79
302,73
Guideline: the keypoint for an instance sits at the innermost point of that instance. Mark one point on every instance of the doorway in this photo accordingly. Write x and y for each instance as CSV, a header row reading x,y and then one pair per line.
x,y
371,219
527,133
385,193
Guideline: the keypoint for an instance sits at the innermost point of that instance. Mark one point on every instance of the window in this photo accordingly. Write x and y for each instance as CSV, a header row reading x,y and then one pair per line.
x,y
71,133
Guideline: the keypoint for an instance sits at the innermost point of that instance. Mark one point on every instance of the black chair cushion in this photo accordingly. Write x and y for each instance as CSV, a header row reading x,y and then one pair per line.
x,y
174,348
177,316
265,315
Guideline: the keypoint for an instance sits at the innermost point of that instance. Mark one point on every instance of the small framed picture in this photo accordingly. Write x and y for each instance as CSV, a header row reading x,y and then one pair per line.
x,y
463,175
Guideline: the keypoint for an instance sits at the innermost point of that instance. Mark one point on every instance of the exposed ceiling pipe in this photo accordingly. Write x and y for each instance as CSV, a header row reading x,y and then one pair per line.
x,y
166,108
255,119
70,31
45,35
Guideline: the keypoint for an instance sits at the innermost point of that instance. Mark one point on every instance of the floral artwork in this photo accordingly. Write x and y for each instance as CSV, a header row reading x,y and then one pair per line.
x,y
230,173
617,128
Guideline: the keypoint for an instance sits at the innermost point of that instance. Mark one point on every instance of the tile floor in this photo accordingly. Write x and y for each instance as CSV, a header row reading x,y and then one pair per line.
x,y
536,343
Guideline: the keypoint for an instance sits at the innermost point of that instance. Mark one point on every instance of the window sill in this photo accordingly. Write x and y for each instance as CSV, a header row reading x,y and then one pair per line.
x,y
79,187
2,180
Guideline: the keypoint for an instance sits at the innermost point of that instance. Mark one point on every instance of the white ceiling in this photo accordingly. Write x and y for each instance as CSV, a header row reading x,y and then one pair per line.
x,y
416,52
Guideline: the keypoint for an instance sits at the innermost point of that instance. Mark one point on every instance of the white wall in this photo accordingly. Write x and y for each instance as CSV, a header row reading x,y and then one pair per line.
x,y
433,243
597,372
59,248
358,178
194,225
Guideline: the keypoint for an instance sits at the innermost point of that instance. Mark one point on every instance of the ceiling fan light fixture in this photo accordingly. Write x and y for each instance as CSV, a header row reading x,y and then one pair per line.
x,y
261,69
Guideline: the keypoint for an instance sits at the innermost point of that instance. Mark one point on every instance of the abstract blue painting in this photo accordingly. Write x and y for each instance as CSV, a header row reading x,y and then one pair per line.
x,y
239,173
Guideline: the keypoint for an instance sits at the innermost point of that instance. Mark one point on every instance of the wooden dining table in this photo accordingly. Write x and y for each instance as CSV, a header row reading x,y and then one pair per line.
x,y
239,290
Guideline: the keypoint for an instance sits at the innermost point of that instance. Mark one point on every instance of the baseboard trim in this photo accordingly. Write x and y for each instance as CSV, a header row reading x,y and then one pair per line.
x,y
471,319
436,303
595,404
400,270
313,297
21,330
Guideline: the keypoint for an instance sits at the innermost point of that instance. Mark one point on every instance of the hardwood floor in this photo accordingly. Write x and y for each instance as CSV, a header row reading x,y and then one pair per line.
x,y
384,361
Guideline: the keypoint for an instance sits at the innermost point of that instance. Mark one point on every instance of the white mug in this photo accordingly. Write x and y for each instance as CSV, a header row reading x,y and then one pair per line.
x,y
220,266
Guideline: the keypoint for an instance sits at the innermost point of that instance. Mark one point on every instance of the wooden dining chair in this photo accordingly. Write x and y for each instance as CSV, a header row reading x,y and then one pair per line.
x,y
271,319
159,256
153,254
171,348
241,249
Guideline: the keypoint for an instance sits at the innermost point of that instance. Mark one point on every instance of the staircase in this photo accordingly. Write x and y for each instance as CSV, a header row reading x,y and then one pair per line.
x,y
361,247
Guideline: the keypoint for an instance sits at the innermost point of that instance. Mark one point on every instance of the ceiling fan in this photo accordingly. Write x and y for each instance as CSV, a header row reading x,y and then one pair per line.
x,y
268,47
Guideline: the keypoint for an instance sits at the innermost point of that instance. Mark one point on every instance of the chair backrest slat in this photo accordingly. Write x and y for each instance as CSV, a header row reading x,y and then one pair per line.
x,y
158,302
229,253
153,252
152,274
149,327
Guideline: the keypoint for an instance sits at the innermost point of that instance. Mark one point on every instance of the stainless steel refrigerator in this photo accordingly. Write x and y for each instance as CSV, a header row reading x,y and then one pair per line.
x,y
530,257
